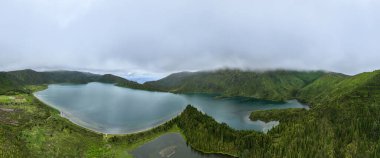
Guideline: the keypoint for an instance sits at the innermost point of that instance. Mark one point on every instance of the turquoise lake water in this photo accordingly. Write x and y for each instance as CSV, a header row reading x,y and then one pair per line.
x,y
107,108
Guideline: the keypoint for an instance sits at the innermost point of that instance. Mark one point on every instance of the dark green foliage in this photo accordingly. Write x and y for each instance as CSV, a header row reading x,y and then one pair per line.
x,y
277,114
7,82
17,80
343,122
31,77
135,137
271,85
203,133
333,88
320,88
119,81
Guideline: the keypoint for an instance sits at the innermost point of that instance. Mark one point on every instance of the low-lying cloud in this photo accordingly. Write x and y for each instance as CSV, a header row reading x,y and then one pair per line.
x,y
160,37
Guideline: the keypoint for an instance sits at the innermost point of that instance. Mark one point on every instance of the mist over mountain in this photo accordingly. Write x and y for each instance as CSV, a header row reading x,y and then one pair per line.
x,y
163,37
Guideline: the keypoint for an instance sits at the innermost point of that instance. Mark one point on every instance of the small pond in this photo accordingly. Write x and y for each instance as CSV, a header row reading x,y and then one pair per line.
x,y
170,145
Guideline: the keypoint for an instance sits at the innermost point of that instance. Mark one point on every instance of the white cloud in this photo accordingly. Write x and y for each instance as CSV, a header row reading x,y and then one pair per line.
x,y
148,36
62,12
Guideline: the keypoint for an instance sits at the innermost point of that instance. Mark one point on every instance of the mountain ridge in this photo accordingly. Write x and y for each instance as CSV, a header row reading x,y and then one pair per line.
x,y
15,80
276,85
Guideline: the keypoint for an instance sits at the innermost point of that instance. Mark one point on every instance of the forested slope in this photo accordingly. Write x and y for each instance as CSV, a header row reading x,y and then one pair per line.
x,y
270,85
344,122
320,88
16,80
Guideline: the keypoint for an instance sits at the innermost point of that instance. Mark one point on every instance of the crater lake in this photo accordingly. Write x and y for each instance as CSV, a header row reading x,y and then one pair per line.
x,y
110,109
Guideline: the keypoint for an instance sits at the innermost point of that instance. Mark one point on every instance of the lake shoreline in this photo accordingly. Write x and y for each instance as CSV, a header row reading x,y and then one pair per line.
x,y
234,111
75,121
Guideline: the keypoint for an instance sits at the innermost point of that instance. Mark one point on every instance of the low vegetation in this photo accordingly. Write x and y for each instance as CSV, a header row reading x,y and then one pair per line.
x,y
28,128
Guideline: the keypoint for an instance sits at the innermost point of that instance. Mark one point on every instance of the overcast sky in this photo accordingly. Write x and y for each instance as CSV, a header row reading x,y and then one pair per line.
x,y
154,37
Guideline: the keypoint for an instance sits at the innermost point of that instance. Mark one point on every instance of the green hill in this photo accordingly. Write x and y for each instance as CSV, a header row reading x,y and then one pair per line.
x,y
122,82
339,88
16,80
320,88
343,122
270,85
8,82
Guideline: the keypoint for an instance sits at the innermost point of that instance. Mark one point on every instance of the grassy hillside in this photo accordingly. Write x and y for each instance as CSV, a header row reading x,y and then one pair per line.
x,y
16,80
270,85
320,88
336,88
28,128
119,81
7,82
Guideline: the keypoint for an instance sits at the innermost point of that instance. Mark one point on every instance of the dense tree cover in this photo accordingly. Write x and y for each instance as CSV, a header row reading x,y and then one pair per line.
x,y
17,80
205,134
270,85
277,114
122,82
320,88
344,122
